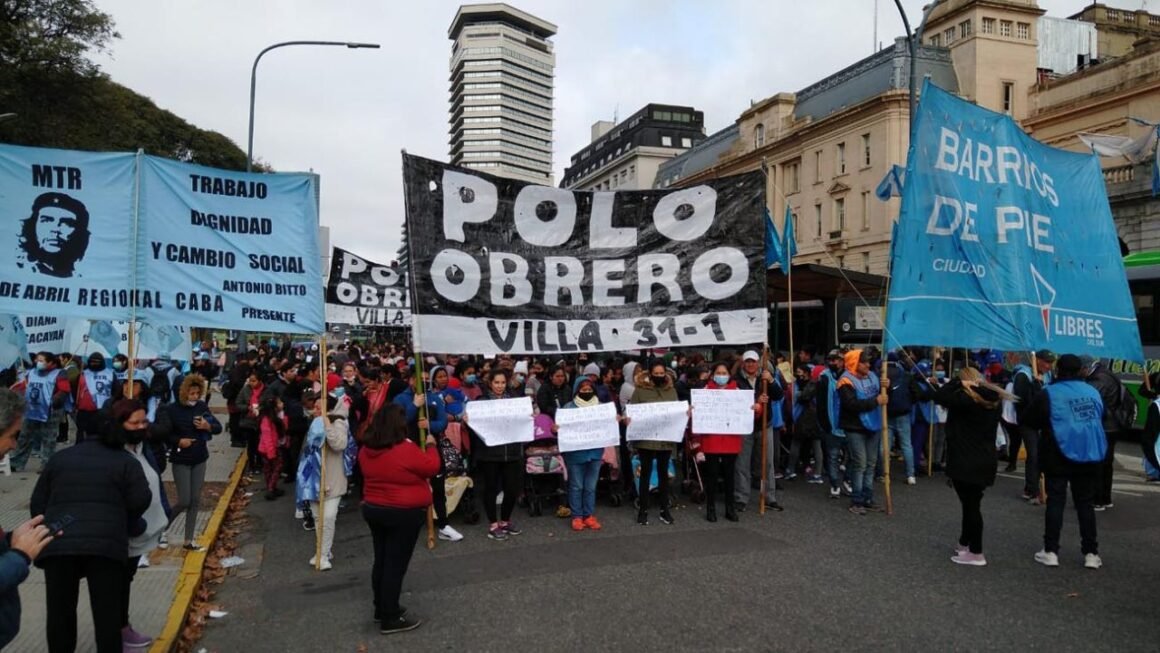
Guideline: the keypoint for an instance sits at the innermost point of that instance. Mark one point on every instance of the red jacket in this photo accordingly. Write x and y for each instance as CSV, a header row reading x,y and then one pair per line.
x,y
729,445
398,477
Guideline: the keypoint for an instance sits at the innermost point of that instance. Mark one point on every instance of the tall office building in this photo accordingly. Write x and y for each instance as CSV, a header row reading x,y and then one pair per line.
x,y
502,65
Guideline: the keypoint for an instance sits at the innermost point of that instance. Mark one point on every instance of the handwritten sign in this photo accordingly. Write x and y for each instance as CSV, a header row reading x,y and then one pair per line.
x,y
723,412
501,421
662,420
591,427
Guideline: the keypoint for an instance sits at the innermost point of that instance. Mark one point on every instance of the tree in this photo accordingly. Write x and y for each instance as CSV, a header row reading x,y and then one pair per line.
x,y
53,35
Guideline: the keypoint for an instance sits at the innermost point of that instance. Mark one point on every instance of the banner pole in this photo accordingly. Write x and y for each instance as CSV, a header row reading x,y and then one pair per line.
x,y
136,234
420,389
764,426
132,357
884,383
322,481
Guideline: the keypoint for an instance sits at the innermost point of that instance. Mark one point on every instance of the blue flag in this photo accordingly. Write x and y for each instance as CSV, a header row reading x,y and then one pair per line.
x,y
891,184
772,242
1005,243
789,247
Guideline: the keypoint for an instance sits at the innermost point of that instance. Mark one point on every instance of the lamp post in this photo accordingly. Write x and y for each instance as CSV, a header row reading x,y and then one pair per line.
x,y
254,83
913,40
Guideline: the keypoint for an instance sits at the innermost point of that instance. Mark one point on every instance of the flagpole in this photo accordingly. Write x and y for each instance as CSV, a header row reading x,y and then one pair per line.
x,y
321,527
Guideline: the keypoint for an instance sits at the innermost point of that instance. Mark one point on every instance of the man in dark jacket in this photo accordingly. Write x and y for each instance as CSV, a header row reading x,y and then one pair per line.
x,y
751,377
1109,388
828,410
1027,385
19,548
1073,445
859,392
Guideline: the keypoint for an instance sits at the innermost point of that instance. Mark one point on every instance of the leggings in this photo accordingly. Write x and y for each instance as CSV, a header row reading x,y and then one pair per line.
x,y
189,479
106,580
495,474
714,465
971,497
272,471
130,574
647,456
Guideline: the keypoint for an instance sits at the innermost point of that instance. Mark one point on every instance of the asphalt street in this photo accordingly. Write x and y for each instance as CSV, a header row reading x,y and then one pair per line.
x,y
813,578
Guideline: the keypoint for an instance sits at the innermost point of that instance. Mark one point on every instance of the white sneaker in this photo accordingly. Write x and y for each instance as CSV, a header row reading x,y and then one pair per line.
x,y
910,480
1048,559
143,562
1092,561
450,534
326,566
163,543
298,514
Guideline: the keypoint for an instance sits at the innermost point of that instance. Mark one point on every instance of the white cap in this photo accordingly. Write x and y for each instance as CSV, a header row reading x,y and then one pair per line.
x,y
592,369
750,356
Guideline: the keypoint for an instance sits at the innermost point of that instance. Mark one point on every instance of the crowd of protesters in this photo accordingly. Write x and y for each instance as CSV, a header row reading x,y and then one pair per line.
x,y
363,425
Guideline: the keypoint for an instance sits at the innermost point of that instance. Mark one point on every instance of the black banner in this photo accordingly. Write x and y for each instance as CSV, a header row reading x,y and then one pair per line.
x,y
362,292
504,266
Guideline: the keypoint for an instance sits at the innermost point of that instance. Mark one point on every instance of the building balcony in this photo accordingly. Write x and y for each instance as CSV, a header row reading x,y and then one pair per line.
x,y
1128,182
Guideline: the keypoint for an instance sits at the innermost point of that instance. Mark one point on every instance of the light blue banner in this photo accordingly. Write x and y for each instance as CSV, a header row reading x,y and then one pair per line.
x,y
1004,242
229,249
67,232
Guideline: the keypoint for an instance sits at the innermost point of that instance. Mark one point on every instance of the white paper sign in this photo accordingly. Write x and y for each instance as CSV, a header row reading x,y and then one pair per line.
x,y
502,421
722,412
591,427
662,420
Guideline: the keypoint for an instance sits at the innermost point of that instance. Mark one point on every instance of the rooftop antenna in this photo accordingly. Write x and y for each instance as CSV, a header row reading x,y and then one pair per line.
x,y
616,114
874,45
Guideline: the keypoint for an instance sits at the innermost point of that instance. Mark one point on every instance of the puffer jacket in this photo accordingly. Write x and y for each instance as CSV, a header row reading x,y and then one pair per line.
x,y
970,427
175,423
103,489
1109,388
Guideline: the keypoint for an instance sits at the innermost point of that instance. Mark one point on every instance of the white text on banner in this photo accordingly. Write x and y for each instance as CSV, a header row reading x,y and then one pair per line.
x,y
590,427
662,420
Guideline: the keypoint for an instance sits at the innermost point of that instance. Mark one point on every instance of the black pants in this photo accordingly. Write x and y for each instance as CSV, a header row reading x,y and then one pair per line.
x,y
1082,493
237,437
1104,486
647,456
439,499
106,578
394,533
130,574
714,465
971,498
496,476
251,437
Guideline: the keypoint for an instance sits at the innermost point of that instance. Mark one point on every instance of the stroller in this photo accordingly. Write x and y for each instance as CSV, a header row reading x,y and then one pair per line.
x,y
544,467
609,484
455,448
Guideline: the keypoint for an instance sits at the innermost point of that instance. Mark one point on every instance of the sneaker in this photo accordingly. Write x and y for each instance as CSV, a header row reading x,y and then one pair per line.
x,y
1099,507
857,510
847,489
298,514
779,475
326,565
960,549
308,523
666,517
815,480
642,518
590,522
1152,479
1109,506
835,493
193,546
577,524
450,534
399,625
1027,496
1092,561
402,611
1034,501
1047,559
497,533
271,495
970,559
511,529
775,506
874,507
143,562
910,480
740,507
132,639
163,543
789,477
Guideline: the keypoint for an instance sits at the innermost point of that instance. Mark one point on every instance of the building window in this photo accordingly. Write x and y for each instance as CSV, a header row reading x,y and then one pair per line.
x,y
841,164
1005,28
794,217
936,40
632,171
758,136
866,210
964,29
988,25
949,35
793,178
686,143
866,150
1008,98
818,217
667,141
842,262
614,181
1023,31
840,214
866,262
818,167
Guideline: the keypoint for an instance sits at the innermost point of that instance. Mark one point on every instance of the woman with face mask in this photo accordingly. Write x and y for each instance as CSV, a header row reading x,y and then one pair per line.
x,y
583,466
719,453
502,467
654,384
188,426
129,418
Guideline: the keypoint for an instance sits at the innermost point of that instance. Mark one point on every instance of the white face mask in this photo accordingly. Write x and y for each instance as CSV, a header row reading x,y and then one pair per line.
x,y
191,403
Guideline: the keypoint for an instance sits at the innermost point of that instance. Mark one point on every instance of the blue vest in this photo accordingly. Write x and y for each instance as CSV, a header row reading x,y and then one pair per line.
x,y
867,388
1077,421
100,385
833,404
923,409
41,388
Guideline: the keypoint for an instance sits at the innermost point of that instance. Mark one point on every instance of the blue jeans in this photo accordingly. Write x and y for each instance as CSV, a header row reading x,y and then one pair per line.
x,y
582,487
864,449
900,428
834,446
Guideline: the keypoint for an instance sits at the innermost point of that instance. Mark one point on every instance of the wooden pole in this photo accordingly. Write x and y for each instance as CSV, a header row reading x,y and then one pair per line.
x,y
885,384
765,408
421,389
1042,481
321,522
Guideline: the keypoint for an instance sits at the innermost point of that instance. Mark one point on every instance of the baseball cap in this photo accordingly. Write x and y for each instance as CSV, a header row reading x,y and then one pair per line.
x,y
1047,355
750,356
834,355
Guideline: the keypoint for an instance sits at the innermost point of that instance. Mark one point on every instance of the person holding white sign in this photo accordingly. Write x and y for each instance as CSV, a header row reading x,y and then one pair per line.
x,y
502,465
584,465
653,384
719,453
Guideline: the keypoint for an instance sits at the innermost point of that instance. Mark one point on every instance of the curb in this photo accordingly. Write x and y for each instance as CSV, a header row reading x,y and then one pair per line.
x,y
191,570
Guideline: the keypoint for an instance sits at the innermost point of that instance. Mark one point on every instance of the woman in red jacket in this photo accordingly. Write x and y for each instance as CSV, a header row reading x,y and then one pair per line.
x,y
720,452
396,494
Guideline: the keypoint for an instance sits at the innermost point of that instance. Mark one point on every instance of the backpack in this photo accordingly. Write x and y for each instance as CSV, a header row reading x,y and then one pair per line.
x,y
1125,412
159,386
452,459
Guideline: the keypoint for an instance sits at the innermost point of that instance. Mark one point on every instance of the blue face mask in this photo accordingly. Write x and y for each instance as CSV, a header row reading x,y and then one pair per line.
x,y
339,392
41,366
721,379
940,375
472,379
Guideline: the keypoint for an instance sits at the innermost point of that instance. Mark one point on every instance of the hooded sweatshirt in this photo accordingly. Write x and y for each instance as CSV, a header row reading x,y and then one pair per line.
x,y
629,385
859,398
585,455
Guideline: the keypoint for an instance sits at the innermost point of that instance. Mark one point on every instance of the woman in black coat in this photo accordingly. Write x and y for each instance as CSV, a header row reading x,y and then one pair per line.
x,y
974,406
96,492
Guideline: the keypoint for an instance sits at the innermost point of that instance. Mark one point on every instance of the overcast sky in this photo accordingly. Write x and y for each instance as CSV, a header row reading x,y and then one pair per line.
x,y
346,114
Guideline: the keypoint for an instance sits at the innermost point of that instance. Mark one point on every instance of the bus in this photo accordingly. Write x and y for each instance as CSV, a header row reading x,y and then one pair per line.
x,y
1143,271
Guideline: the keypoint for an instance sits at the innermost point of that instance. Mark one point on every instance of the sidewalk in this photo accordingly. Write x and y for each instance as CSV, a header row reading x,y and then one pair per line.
x,y
153,588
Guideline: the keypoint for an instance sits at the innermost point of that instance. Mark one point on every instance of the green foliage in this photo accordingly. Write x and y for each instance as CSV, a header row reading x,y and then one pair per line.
x,y
53,34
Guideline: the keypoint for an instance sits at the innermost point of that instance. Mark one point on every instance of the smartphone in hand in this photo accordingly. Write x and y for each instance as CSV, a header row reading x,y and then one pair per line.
x,y
58,525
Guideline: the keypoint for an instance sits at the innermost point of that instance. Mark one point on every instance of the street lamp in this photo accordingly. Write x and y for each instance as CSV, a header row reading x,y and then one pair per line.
x,y
913,40
254,82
